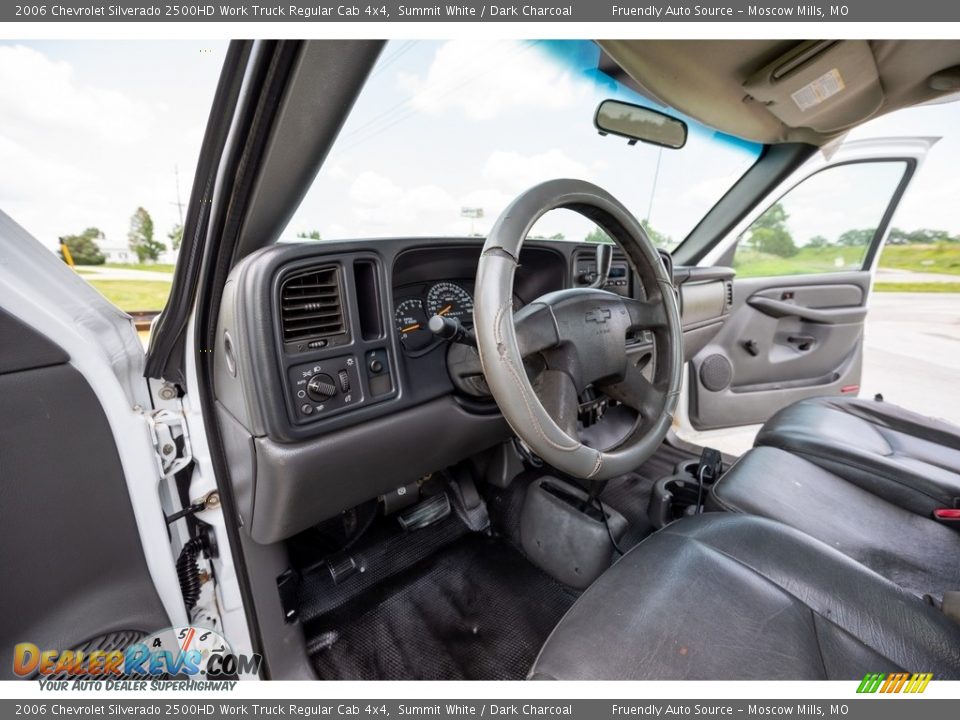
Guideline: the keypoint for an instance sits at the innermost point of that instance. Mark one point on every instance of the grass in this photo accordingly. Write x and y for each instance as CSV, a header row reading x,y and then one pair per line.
x,y
941,258
131,295
909,287
152,267
751,263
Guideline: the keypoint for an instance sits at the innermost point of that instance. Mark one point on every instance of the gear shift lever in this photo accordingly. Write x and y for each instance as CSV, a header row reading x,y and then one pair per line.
x,y
604,259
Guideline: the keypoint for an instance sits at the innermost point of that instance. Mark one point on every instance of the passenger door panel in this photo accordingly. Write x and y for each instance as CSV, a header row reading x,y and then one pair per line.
x,y
804,258
788,338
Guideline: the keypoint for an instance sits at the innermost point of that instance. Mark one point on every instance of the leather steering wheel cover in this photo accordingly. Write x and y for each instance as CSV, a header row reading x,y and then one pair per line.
x,y
497,342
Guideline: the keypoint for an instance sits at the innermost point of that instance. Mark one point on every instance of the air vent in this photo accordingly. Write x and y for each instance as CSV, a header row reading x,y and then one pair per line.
x,y
311,305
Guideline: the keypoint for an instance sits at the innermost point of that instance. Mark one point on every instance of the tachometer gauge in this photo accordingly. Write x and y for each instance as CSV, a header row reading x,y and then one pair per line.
x,y
450,300
411,322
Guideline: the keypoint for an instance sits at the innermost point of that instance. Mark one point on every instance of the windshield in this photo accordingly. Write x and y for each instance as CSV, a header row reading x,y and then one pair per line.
x,y
445,134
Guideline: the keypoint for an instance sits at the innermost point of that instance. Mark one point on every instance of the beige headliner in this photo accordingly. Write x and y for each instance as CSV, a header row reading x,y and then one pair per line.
x,y
705,79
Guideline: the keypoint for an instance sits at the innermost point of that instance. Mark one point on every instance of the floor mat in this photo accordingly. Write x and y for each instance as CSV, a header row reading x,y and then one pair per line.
x,y
377,558
476,610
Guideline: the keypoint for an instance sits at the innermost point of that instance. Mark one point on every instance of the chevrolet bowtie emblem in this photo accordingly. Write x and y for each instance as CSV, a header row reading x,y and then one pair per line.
x,y
600,315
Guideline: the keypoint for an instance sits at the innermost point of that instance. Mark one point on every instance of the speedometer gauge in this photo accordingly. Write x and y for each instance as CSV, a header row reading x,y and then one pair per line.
x,y
450,300
411,323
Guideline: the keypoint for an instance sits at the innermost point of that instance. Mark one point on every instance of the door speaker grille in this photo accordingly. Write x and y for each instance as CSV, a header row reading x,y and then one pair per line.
x,y
716,373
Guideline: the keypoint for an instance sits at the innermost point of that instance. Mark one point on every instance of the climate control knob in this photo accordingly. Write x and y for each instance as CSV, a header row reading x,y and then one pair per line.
x,y
321,388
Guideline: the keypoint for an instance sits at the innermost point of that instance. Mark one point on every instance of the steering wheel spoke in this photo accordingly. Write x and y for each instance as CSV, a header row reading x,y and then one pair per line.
x,y
637,392
645,314
558,394
536,329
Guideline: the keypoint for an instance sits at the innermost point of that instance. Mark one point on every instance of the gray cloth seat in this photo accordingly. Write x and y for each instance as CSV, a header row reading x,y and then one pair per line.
x,y
727,596
914,551
898,455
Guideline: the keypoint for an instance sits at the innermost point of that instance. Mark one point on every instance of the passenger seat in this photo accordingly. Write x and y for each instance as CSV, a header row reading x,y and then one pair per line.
x,y
915,552
907,459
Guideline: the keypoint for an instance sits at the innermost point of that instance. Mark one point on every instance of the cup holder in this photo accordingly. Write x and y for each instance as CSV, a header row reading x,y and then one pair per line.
x,y
675,496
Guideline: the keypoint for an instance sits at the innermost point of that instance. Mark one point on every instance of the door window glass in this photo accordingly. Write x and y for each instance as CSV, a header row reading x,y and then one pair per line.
x,y
825,224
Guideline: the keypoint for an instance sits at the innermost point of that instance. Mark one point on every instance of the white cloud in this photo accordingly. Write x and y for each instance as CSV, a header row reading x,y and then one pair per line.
x,y
38,91
482,79
516,171
84,143
381,204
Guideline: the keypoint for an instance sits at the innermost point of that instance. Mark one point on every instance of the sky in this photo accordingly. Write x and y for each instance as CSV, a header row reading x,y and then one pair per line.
x,y
90,130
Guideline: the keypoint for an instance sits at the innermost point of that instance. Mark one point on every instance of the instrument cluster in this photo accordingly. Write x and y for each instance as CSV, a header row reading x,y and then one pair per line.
x,y
416,305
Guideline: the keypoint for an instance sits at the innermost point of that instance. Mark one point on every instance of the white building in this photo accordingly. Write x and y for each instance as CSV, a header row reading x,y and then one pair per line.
x,y
120,252
116,252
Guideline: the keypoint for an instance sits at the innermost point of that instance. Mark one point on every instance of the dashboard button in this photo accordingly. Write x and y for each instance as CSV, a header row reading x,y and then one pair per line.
x,y
344,378
376,365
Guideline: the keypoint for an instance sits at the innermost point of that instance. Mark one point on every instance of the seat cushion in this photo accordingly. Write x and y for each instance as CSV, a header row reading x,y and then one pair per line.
x,y
724,596
903,457
913,551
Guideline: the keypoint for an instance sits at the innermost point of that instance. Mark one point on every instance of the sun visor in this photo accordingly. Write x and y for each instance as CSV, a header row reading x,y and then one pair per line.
x,y
827,86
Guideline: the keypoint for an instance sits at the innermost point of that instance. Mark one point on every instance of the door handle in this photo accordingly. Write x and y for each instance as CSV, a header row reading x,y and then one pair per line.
x,y
824,316
803,342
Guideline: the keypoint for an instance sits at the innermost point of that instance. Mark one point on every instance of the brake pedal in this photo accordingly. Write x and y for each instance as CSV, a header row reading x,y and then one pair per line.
x,y
425,513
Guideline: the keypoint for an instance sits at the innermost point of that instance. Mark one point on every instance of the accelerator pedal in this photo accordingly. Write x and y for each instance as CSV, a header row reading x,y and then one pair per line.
x,y
426,512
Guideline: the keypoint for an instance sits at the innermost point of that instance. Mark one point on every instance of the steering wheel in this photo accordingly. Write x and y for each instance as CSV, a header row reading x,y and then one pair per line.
x,y
575,338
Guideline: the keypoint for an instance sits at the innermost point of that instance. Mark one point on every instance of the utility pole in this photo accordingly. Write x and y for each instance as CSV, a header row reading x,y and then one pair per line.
x,y
178,203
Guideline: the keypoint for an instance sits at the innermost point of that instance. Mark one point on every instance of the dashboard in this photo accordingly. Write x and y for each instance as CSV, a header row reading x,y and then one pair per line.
x,y
330,388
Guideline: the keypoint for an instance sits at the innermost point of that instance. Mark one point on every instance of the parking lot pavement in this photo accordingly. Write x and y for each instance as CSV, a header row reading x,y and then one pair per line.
x,y
911,355
909,276
912,352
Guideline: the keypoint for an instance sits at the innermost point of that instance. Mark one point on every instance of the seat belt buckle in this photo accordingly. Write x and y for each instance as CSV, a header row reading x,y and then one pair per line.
x,y
948,516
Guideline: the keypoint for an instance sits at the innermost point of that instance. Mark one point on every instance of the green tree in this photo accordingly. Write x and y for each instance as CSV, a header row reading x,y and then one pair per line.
x,y
598,235
897,237
775,218
857,238
928,237
141,239
311,235
658,238
84,248
176,236
817,241
769,233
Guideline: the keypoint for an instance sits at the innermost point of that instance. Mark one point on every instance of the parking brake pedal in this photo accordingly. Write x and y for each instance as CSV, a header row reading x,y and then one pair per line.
x,y
426,512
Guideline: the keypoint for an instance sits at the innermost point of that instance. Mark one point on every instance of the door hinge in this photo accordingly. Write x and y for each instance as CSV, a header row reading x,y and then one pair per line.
x,y
171,440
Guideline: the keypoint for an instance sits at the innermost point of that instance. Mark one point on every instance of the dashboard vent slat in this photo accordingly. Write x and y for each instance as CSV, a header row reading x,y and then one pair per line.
x,y
311,305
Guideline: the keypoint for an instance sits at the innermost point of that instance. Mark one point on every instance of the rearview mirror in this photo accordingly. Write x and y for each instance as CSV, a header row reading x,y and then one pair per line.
x,y
636,122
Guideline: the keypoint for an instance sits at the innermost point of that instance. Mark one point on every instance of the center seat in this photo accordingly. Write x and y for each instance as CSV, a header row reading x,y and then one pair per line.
x,y
914,551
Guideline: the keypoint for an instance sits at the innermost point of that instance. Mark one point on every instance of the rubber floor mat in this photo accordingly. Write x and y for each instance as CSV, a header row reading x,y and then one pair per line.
x,y
476,610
